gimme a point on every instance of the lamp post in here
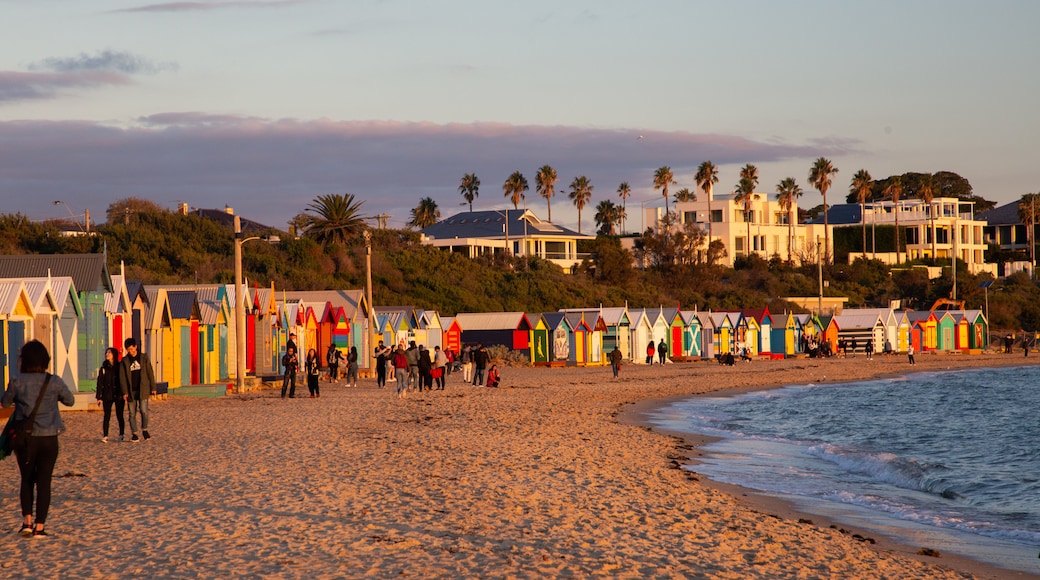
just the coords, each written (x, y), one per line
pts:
(75, 218)
(819, 270)
(240, 310)
(368, 296)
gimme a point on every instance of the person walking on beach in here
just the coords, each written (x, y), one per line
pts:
(662, 351)
(651, 350)
(425, 369)
(440, 367)
(400, 362)
(481, 358)
(313, 372)
(382, 358)
(615, 361)
(290, 363)
(467, 363)
(137, 383)
(332, 358)
(352, 367)
(108, 393)
(36, 393)
(413, 365)
(853, 348)
(870, 349)
(910, 354)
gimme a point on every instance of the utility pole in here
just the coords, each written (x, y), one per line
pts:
(240, 312)
(368, 296)
(819, 271)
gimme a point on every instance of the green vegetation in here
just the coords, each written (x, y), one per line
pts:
(160, 246)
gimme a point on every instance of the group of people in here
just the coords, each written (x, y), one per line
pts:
(312, 367)
(35, 394)
(660, 349)
(417, 368)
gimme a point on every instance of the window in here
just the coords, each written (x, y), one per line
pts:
(780, 218)
(689, 217)
(738, 244)
(913, 236)
(716, 216)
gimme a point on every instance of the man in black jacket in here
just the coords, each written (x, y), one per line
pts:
(137, 384)
(481, 358)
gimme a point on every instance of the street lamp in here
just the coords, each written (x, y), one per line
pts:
(819, 270)
(75, 217)
(240, 312)
(368, 296)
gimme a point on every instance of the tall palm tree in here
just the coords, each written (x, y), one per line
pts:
(514, 188)
(707, 176)
(581, 193)
(469, 187)
(684, 195)
(745, 194)
(544, 181)
(664, 177)
(334, 218)
(895, 191)
(1029, 214)
(860, 187)
(607, 217)
(820, 178)
(926, 191)
(787, 191)
(623, 191)
(425, 214)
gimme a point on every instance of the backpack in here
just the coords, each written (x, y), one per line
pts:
(332, 357)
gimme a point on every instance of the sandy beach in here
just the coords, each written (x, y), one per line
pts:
(552, 475)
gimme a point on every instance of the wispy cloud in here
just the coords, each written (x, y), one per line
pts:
(106, 60)
(270, 169)
(23, 86)
(203, 6)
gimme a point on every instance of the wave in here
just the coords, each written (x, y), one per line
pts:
(902, 472)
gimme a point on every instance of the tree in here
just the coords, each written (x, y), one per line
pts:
(581, 193)
(894, 190)
(820, 178)
(669, 245)
(745, 194)
(664, 177)
(334, 218)
(425, 214)
(787, 191)
(860, 187)
(608, 217)
(514, 188)
(623, 191)
(119, 212)
(707, 176)
(1028, 214)
(469, 187)
(544, 181)
(684, 195)
(926, 191)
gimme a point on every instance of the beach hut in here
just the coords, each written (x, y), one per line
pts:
(16, 317)
(212, 345)
(661, 324)
(945, 330)
(118, 310)
(828, 331)
(677, 342)
(902, 334)
(45, 308)
(340, 332)
(962, 333)
(430, 322)
(923, 330)
(642, 332)
(707, 338)
(57, 314)
(158, 333)
(761, 316)
(509, 329)
(559, 332)
(978, 335)
(724, 340)
(539, 339)
(184, 311)
(783, 334)
(611, 327)
(452, 333)
(579, 339)
(691, 336)
(862, 325)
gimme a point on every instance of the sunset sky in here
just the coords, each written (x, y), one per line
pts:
(263, 105)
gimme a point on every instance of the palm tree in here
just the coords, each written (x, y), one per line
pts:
(514, 188)
(684, 195)
(664, 177)
(469, 187)
(860, 187)
(581, 193)
(1028, 212)
(820, 178)
(787, 191)
(926, 191)
(334, 218)
(544, 181)
(706, 178)
(745, 194)
(895, 190)
(425, 214)
(623, 191)
(607, 217)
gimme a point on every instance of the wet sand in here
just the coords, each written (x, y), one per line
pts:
(547, 476)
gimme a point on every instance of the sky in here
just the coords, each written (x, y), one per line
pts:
(263, 105)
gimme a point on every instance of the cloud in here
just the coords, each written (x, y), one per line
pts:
(203, 6)
(107, 60)
(270, 169)
(21, 86)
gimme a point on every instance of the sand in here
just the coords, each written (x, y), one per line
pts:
(546, 477)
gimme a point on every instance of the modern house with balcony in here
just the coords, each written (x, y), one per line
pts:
(769, 235)
(516, 232)
(946, 224)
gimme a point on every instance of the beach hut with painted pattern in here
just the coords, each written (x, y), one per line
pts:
(978, 338)
(559, 332)
(539, 339)
(614, 326)
(16, 319)
(56, 323)
(580, 339)
(692, 345)
(452, 333)
(707, 334)
(509, 329)
(724, 339)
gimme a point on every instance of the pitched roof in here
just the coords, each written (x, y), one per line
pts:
(491, 224)
(849, 321)
(11, 291)
(182, 303)
(89, 272)
(1004, 215)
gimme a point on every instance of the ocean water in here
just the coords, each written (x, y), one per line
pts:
(947, 460)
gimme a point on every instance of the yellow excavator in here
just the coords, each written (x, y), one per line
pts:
(949, 303)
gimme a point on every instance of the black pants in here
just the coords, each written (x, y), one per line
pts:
(312, 385)
(36, 464)
(333, 372)
(478, 376)
(439, 380)
(380, 373)
(425, 379)
(289, 382)
(107, 406)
